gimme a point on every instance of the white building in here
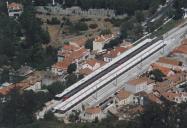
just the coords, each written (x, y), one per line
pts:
(93, 64)
(91, 114)
(140, 84)
(90, 65)
(36, 86)
(100, 41)
(185, 13)
(14, 9)
(124, 98)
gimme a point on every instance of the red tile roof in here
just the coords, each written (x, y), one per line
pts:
(78, 54)
(93, 110)
(14, 6)
(171, 95)
(154, 98)
(164, 70)
(181, 49)
(92, 62)
(167, 60)
(184, 42)
(139, 80)
(85, 71)
(4, 90)
(28, 82)
(63, 65)
(115, 52)
(123, 94)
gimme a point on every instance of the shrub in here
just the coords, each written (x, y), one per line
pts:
(93, 26)
(53, 21)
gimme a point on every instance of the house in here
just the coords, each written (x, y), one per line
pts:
(93, 64)
(177, 97)
(166, 71)
(92, 113)
(180, 51)
(155, 99)
(69, 54)
(171, 63)
(110, 55)
(177, 78)
(61, 67)
(139, 84)
(73, 53)
(100, 41)
(79, 55)
(65, 51)
(14, 9)
(85, 71)
(90, 65)
(32, 82)
(170, 82)
(123, 98)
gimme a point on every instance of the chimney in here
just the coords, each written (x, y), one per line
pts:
(7, 4)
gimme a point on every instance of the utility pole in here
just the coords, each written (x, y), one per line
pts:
(53, 2)
(115, 81)
(95, 95)
(141, 64)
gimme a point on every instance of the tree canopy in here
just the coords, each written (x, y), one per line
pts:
(22, 40)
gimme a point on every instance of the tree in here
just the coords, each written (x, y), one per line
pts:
(89, 44)
(4, 76)
(81, 26)
(112, 43)
(157, 75)
(125, 27)
(139, 16)
(3, 8)
(19, 109)
(45, 37)
(105, 32)
(72, 68)
(93, 26)
(74, 116)
(53, 21)
(179, 12)
(56, 88)
(49, 116)
(71, 79)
